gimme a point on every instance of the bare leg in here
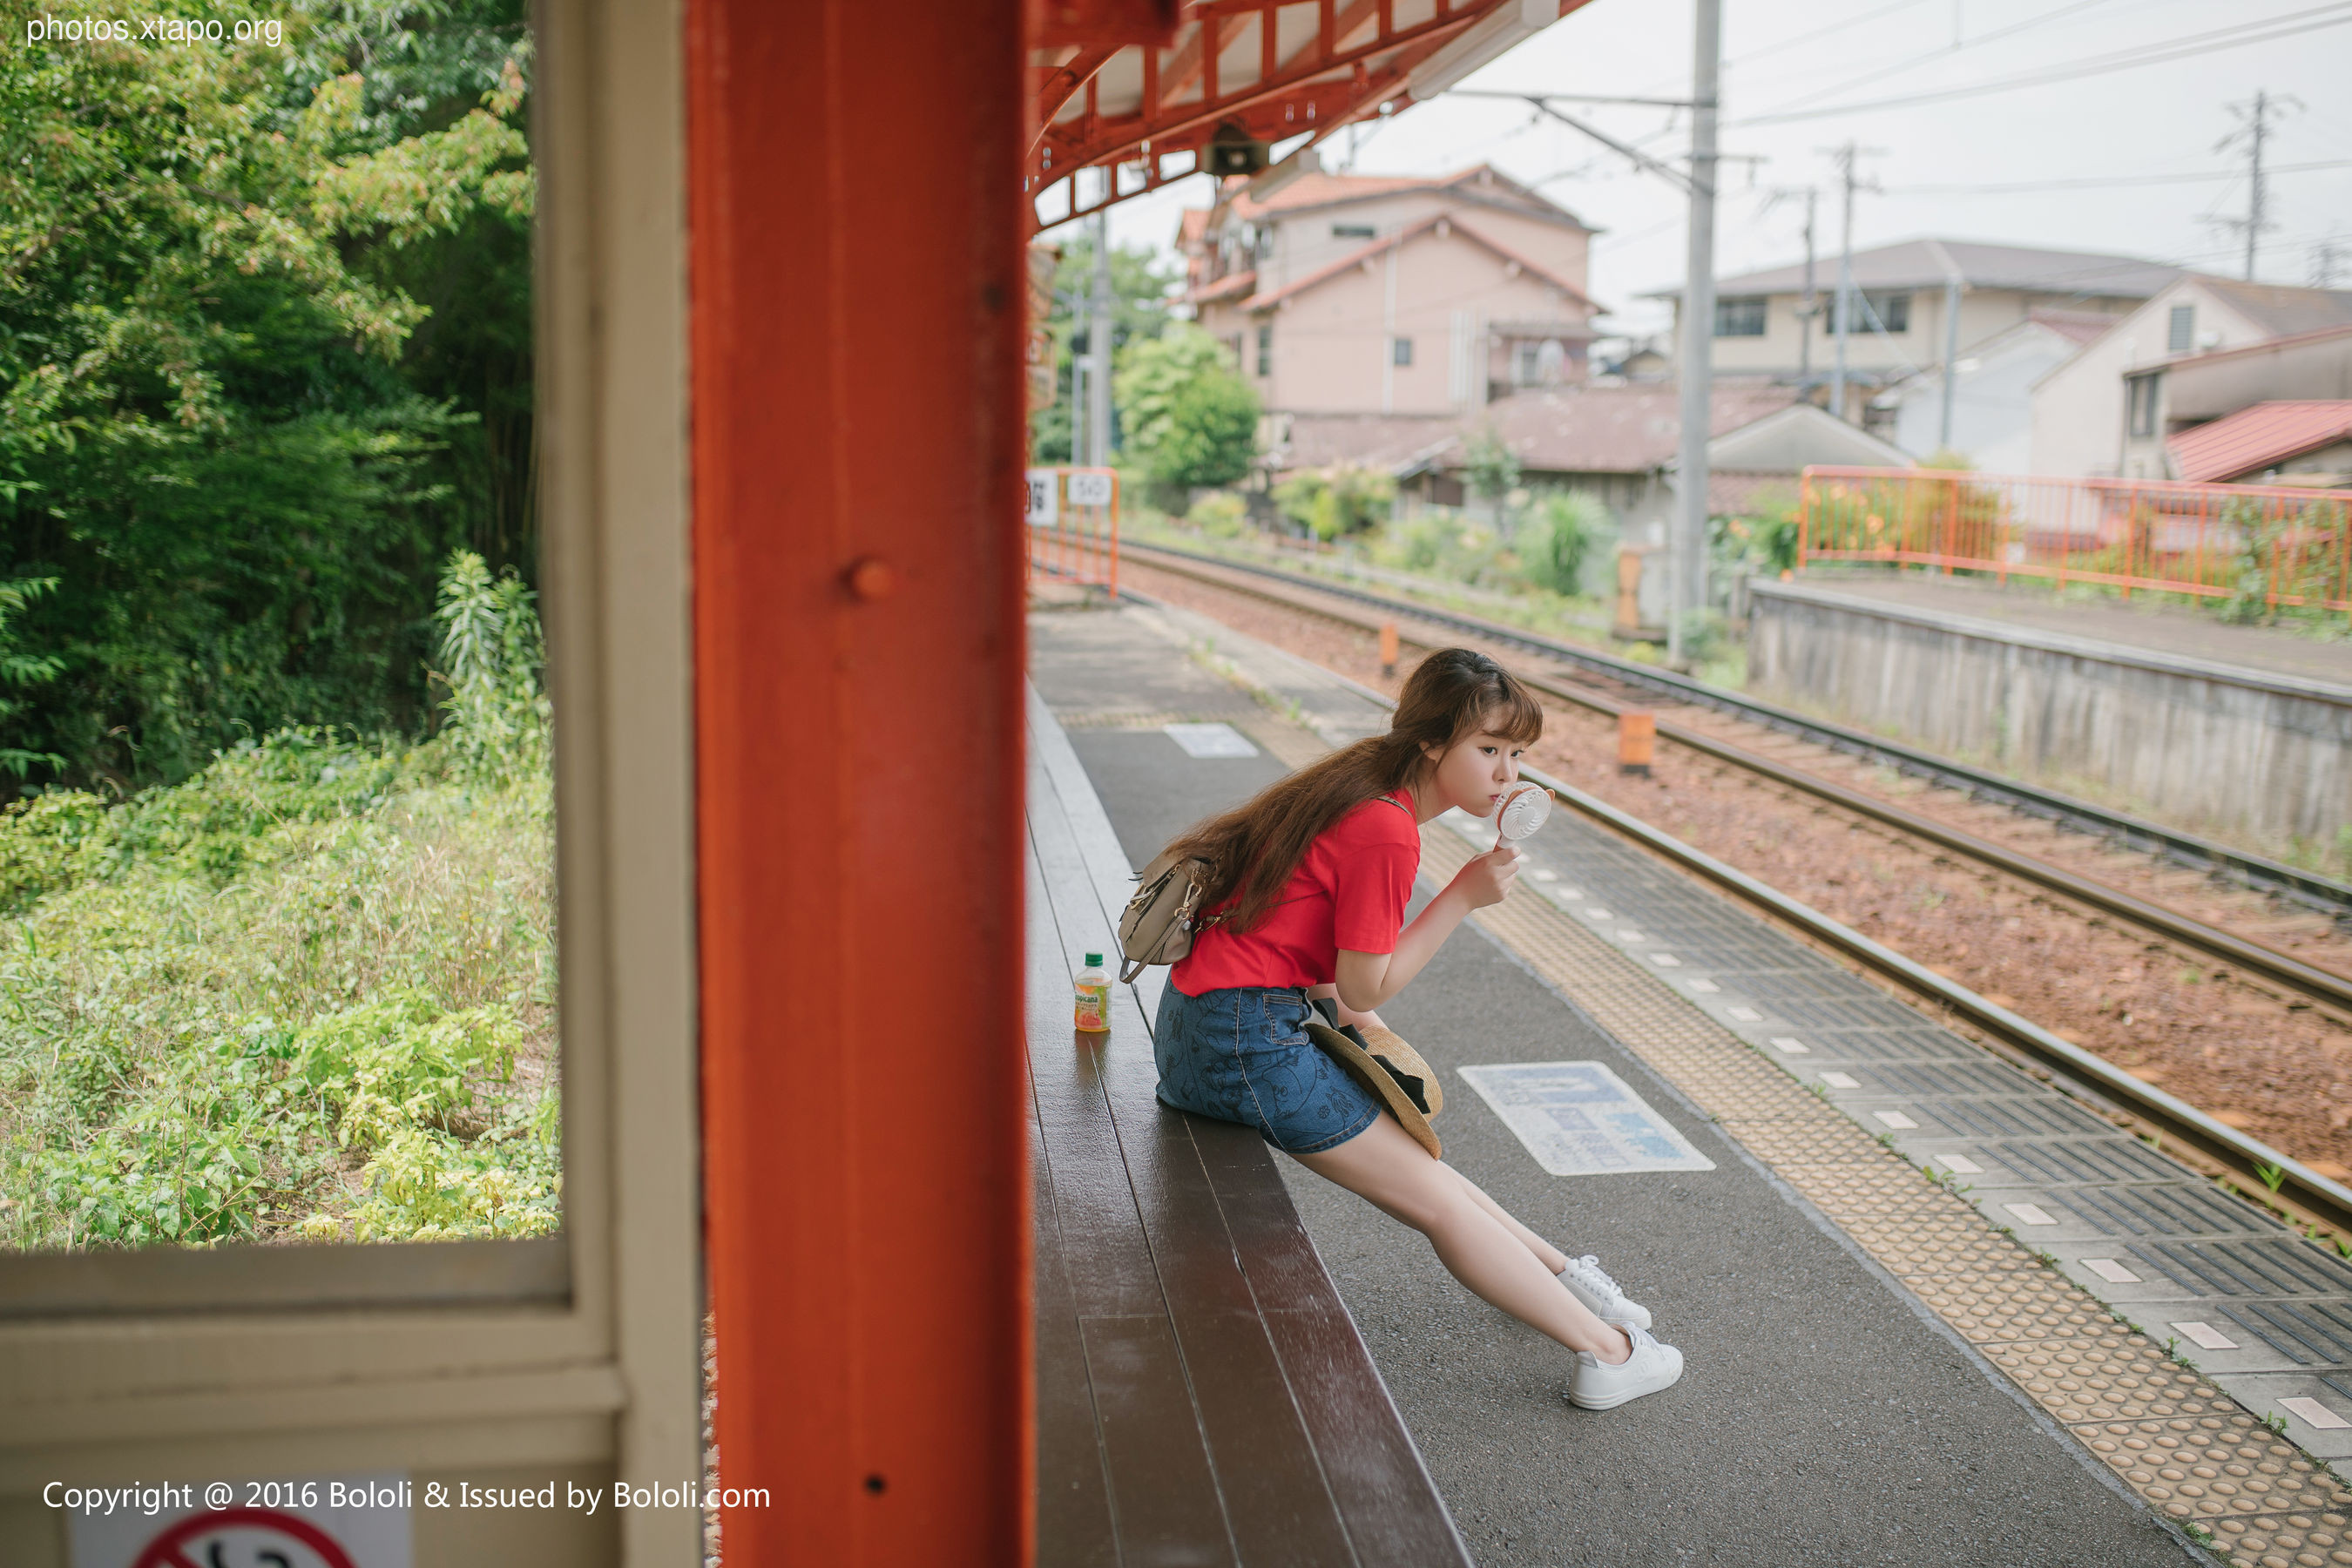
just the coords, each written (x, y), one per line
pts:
(1550, 1257)
(1386, 1168)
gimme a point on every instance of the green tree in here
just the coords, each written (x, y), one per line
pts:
(1139, 310)
(1187, 415)
(206, 431)
(1491, 466)
(22, 670)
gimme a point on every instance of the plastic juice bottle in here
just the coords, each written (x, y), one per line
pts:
(1094, 997)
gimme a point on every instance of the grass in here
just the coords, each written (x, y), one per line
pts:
(306, 994)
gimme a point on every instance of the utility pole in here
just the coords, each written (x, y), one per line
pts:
(2326, 257)
(1098, 334)
(1809, 306)
(2254, 130)
(1697, 370)
(1849, 182)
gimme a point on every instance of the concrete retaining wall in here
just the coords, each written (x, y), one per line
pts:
(2205, 745)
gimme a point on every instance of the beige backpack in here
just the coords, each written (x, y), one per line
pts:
(1158, 924)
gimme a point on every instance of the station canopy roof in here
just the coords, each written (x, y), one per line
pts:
(1134, 91)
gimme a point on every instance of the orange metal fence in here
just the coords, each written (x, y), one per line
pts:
(2291, 547)
(1073, 516)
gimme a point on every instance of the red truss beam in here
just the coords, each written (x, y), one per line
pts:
(1358, 57)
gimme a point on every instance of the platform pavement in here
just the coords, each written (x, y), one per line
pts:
(1825, 1417)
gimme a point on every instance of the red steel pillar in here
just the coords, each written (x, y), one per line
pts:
(857, 285)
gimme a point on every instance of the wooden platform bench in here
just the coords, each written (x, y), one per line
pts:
(1202, 1396)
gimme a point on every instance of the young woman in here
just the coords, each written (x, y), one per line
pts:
(1308, 894)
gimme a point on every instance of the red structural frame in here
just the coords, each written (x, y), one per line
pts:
(857, 432)
(1358, 61)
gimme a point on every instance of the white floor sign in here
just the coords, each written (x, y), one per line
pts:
(1579, 1118)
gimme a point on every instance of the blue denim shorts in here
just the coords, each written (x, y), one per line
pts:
(1243, 1054)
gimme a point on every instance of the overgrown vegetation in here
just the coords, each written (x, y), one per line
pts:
(308, 992)
(265, 360)
(1330, 503)
(1189, 418)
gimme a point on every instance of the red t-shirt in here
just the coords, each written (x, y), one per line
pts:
(1350, 891)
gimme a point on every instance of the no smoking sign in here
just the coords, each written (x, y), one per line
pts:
(246, 1535)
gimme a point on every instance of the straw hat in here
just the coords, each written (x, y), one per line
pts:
(1392, 1071)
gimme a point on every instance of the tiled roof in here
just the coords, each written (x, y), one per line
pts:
(1929, 263)
(1225, 288)
(1192, 225)
(2253, 439)
(1616, 429)
(1364, 253)
(1317, 189)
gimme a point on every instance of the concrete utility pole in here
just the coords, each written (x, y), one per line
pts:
(2252, 132)
(2326, 257)
(1955, 285)
(1849, 182)
(1098, 335)
(1809, 306)
(1697, 370)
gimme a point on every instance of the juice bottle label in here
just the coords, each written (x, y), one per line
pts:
(1094, 1009)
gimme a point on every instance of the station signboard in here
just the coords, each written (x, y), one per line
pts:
(1045, 496)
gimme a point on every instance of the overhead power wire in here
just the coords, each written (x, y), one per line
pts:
(2262, 32)
(1944, 53)
(2099, 184)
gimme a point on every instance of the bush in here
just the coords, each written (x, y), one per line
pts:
(1337, 501)
(310, 992)
(1220, 514)
(1568, 525)
(1441, 542)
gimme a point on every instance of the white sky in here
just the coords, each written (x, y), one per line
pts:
(2156, 119)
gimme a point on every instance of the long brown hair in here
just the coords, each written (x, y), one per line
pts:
(1253, 850)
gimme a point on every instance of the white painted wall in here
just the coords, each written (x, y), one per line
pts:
(2078, 407)
(1993, 415)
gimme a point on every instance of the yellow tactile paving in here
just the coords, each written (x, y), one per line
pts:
(2172, 1435)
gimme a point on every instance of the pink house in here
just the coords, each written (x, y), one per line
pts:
(1353, 294)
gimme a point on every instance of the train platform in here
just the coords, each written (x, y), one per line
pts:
(1883, 1366)
(2030, 609)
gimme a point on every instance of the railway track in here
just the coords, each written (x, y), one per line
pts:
(2304, 888)
(2247, 1161)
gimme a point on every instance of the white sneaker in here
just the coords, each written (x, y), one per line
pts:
(1597, 1385)
(1600, 1293)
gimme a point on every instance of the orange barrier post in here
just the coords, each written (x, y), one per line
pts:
(1637, 742)
(1387, 648)
(858, 639)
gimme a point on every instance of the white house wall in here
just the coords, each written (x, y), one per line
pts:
(2078, 408)
(1983, 313)
(1992, 417)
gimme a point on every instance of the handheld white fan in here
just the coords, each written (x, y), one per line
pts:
(1525, 808)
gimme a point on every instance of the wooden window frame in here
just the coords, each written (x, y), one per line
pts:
(578, 1350)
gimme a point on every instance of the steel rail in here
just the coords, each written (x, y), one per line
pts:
(2071, 1070)
(2322, 893)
